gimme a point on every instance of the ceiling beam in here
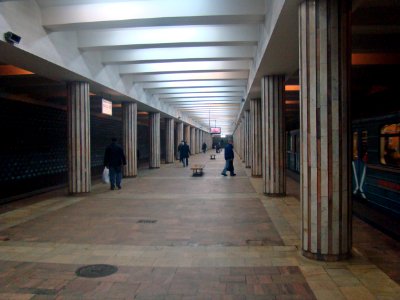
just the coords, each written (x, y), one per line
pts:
(197, 90)
(175, 67)
(191, 84)
(178, 54)
(144, 13)
(168, 36)
(189, 76)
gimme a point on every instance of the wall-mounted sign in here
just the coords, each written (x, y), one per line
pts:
(106, 107)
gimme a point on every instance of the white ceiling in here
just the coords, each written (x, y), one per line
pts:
(195, 55)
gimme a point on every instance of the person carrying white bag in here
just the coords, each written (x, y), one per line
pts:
(114, 159)
(106, 175)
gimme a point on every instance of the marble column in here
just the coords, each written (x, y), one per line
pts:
(196, 141)
(199, 140)
(273, 135)
(155, 150)
(193, 140)
(247, 149)
(78, 111)
(255, 137)
(179, 138)
(187, 134)
(238, 140)
(129, 139)
(242, 139)
(324, 129)
(169, 140)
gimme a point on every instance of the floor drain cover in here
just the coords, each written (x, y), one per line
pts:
(94, 271)
(147, 221)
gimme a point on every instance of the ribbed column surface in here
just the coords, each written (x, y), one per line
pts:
(179, 138)
(247, 150)
(236, 139)
(238, 145)
(193, 140)
(187, 134)
(169, 141)
(196, 141)
(256, 137)
(79, 172)
(273, 135)
(129, 126)
(155, 151)
(324, 124)
(242, 139)
(209, 140)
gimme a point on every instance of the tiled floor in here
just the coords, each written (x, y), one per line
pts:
(174, 236)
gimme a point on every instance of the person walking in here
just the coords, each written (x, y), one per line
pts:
(184, 153)
(179, 150)
(229, 156)
(204, 147)
(114, 159)
(217, 147)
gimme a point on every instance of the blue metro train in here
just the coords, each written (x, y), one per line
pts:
(375, 161)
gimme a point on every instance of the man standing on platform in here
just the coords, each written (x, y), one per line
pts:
(114, 159)
(229, 156)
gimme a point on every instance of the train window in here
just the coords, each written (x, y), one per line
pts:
(390, 145)
(364, 145)
(355, 145)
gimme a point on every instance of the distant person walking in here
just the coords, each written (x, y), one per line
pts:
(204, 147)
(114, 159)
(184, 153)
(229, 156)
(217, 147)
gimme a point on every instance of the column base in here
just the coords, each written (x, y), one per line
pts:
(154, 167)
(326, 257)
(77, 193)
(275, 194)
(131, 176)
(256, 176)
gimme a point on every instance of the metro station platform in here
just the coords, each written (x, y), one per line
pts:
(174, 236)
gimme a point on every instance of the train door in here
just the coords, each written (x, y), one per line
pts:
(359, 161)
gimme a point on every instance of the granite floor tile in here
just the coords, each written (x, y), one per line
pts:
(213, 238)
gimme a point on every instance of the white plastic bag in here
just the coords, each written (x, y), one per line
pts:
(106, 175)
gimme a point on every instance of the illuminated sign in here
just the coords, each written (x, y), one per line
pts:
(215, 130)
(106, 107)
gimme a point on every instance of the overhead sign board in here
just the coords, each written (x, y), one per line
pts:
(215, 130)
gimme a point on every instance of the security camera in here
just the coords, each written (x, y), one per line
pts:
(12, 38)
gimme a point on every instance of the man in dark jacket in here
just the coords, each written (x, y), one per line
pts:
(114, 158)
(184, 152)
(204, 147)
(229, 156)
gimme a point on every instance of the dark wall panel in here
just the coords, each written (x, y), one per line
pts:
(33, 155)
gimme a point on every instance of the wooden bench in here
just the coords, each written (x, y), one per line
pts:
(212, 156)
(197, 169)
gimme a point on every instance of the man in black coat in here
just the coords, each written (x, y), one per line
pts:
(114, 159)
(229, 156)
(184, 152)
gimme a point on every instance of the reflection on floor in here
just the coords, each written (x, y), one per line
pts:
(174, 236)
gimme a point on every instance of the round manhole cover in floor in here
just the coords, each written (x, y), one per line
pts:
(94, 271)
